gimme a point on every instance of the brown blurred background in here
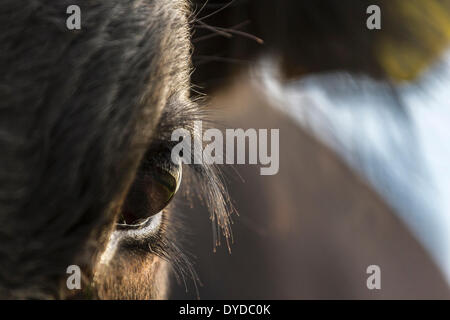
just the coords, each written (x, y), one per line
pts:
(308, 232)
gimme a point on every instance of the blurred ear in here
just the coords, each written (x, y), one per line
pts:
(319, 36)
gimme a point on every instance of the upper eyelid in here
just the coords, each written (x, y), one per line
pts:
(178, 113)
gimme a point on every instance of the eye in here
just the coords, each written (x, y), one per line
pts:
(156, 183)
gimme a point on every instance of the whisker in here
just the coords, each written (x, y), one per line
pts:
(207, 59)
(217, 11)
(199, 11)
(215, 29)
(202, 38)
(242, 33)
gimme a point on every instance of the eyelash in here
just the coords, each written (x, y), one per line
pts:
(209, 188)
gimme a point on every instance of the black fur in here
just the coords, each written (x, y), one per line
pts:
(80, 109)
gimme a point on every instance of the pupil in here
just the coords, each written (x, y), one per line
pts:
(148, 196)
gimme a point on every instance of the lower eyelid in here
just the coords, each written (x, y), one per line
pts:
(154, 223)
(139, 238)
(149, 227)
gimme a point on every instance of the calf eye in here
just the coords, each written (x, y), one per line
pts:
(156, 183)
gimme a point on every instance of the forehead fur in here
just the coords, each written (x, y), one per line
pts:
(78, 109)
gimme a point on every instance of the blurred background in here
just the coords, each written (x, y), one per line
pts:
(364, 173)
